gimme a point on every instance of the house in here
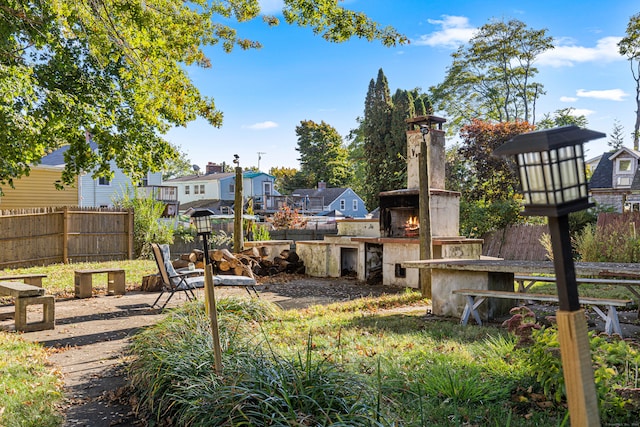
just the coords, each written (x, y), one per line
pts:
(215, 186)
(38, 190)
(616, 180)
(344, 200)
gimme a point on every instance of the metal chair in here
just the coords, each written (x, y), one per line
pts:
(173, 281)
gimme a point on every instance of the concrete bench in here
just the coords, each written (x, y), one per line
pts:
(84, 281)
(475, 297)
(29, 279)
(26, 295)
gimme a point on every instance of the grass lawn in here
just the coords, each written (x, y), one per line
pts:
(359, 364)
(369, 362)
(60, 279)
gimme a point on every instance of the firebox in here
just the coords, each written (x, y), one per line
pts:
(399, 212)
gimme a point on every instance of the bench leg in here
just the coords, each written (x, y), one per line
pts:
(471, 309)
(48, 313)
(612, 322)
(83, 285)
(116, 283)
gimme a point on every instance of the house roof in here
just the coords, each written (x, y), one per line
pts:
(56, 157)
(213, 205)
(626, 150)
(603, 175)
(209, 177)
(329, 194)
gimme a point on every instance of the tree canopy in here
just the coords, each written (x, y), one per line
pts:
(629, 46)
(323, 157)
(492, 76)
(114, 71)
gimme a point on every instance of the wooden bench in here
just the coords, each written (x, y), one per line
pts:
(29, 279)
(26, 295)
(475, 297)
(84, 281)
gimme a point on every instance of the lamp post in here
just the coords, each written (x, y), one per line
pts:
(552, 174)
(202, 221)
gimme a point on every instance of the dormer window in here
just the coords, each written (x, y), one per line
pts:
(624, 166)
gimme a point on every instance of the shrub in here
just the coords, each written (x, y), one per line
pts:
(616, 242)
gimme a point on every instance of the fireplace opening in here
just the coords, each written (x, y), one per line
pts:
(348, 262)
(399, 213)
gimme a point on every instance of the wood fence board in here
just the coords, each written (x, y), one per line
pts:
(39, 236)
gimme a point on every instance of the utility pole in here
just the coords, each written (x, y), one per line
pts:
(260, 153)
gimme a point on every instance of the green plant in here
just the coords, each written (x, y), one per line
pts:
(148, 226)
(30, 390)
(617, 242)
(260, 232)
(186, 234)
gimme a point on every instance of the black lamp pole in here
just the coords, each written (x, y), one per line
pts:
(552, 174)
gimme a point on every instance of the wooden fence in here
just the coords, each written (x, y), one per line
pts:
(62, 235)
(517, 242)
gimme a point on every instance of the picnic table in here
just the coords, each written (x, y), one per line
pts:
(454, 279)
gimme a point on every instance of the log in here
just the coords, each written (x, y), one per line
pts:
(252, 252)
(293, 257)
(265, 251)
(193, 257)
(239, 270)
(199, 254)
(224, 265)
(180, 263)
(186, 257)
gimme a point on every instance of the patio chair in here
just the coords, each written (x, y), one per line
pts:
(173, 281)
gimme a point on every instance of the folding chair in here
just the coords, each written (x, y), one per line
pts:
(172, 281)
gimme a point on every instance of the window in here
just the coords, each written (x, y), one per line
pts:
(186, 189)
(266, 188)
(232, 188)
(354, 206)
(624, 181)
(201, 188)
(343, 204)
(624, 166)
(195, 189)
(104, 181)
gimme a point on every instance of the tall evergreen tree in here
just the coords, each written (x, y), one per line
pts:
(616, 139)
(629, 46)
(376, 127)
(323, 157)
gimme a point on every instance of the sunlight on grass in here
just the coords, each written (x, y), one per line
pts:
(60, 277)
(30, 388)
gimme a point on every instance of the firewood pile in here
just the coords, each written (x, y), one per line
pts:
(251, 262)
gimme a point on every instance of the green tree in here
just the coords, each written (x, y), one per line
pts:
(629, 46)
(616, 138)
(323, 156)
(117, 70)
(562, 117)
(177, 166)
(492, 77)
(376, 128)
(287, 179)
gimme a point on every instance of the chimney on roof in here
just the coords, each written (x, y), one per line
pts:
(213, 168)
(322, 185)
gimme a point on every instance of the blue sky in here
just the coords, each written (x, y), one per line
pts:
(265, 93)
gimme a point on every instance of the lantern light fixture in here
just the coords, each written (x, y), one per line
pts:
(201, 218)
(551, 168)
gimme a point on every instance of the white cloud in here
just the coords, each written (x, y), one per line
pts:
(568, 99)
(567, 54)
(611, 94)
(455, 31)
(271, 7)
(262, 125)
(576, 112)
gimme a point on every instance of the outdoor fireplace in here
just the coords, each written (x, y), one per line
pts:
(399, 213)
